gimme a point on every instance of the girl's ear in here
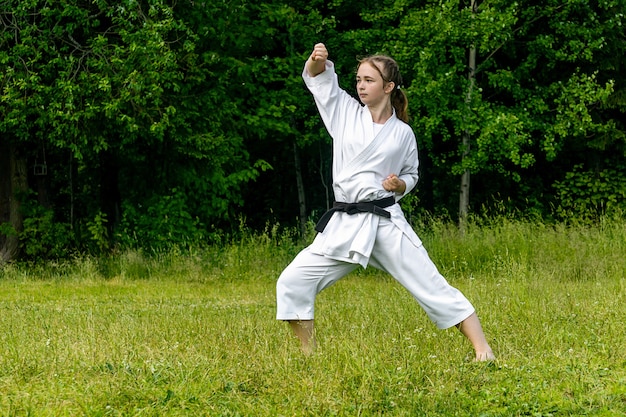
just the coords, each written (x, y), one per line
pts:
(390, 86)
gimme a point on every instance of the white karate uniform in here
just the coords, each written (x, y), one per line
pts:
(361, 162)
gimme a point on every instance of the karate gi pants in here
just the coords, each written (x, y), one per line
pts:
(309, 273)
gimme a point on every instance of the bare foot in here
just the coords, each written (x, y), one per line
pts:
(485, 356)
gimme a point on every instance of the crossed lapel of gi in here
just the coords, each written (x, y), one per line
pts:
(370, 149)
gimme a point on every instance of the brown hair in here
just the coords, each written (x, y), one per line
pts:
(389, 71)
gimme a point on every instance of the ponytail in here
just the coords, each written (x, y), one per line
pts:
(400, 102)
(390, 72)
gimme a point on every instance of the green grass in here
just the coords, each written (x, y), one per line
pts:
(194, 333)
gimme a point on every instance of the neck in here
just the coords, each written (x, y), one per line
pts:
(381, 114)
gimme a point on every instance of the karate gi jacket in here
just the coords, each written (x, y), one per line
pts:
(361, 162)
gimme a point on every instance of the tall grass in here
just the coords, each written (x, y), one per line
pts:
(193, 333)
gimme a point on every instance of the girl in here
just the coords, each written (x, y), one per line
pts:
(374, 166)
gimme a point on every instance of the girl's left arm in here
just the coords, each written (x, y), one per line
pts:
(410, 163)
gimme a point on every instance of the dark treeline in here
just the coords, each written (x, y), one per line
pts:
(150, 123)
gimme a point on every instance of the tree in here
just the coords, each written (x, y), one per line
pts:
(285, 127)
(159, 124)
(534, 89)
(120, 93)
(464, 195)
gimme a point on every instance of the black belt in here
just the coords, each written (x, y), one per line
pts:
(375, 207)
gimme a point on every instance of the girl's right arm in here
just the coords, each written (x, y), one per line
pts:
(316, 64)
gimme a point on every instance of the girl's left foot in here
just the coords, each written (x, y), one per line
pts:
(485, 356)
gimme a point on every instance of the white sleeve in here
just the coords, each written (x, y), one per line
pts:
(409, 173)
(332, 101)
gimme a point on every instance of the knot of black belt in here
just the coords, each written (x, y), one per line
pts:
(375, 207)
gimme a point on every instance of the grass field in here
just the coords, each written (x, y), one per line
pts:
(194, 334)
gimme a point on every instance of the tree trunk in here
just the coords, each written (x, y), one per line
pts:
(300, 184)
(465, 177)
(14, 186)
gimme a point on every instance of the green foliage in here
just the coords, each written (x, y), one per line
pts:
(587, 194)
(573, 111)
(42, 236)
(7, 229)
(163, 223)
(98, 233)
(205, 98)
(132, 84)
(536, 90)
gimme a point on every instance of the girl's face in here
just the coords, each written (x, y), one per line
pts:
(370, 86)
